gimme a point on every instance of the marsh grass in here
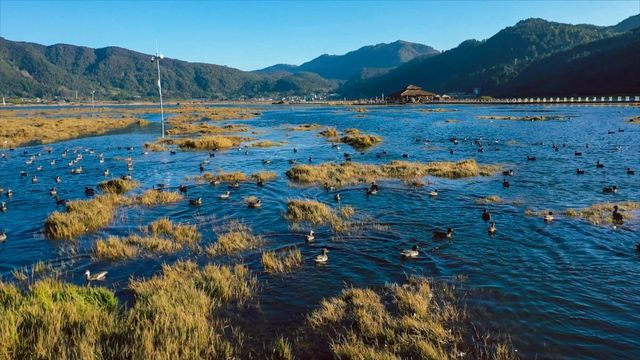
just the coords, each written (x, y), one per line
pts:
(209, 142)
(524, 118)
(264, 176)
(204, 128)
(491, 199)
(182, 234)
(282, 261)
(330, 133)
(351, 173)
(156, 147)
(266, 143)
(222, 176)
(634, 120)
(237, 237)
(601, 213)
(83, 216)
(156, 197)
(304, 127)
(315, 213)
(118, 186)
(114, 248)
(352, 137)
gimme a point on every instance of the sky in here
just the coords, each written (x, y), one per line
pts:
(254, 34)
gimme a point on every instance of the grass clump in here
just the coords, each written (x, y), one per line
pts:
(282, 262)
(237, 237)
(264, 176)
(351, 173)
(491, 199)
(330, 132)
(634, 120)
(156, 147)
(223, 176)
(210, 142)
(182, 234)
(316, 213)
(114, 248)
(156, 197)
(118, 186)
(352, 137)
(601, 213)
(83, 216)
(304, 127)
(267, 143)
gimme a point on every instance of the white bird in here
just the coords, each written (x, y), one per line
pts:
(322, 258)
(433, 193)
(410, 253)
(549, 217)
(105, 172)
(53, 192)
(95, 277)
(3, 236)
(310, 236)
(492, 228)
(225, 195)
(3, 206)
(34, 179)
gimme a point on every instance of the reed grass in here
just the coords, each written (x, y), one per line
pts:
(601, 213)
(264, 176)
(491, 199)
(83, 216)
(634, 120)
(316, 213)
(237, 237)
(156, 197)
(330, 133)
(223, 176)
(351, 173)
(156, 147)
(210, 142)
(266, 143)
(304, 127)
(114, 248)
(118, 186)
(180, 233)
(352, 137)
(282, 261)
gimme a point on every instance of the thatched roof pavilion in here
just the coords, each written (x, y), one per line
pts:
(411, 94)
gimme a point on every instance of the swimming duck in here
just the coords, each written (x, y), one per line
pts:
(599, 165)
(611, 132)
(616, 216)
(255, 204)
(225, 195)
(39, 168)
(9, 193)
(492, 228)
(405, 155)
(579, 171)
(52, 162)
(310, 236)
(577, 153)
(195, 202)
(182, 188)
(630, 172)
(60, 202)
(100, 276)
(266, 162)
(295, 150)
(260, 183)
(105, 172)
(620, 130)
(439, 234)
(410, 253)
(486, 216)
(34, 179)
(234, 185)
(531, 158)
(322, 258)
(201, 168)
(610, 189)
(549, 217)
(433, 193)
(310, 159)
(507, 173)
(373, 189)
(3, 206)
(53, 192)
(89, 191)
(505, 183)
(3, 236)
(337, 197)
(58, 179)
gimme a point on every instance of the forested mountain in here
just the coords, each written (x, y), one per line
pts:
(32, 70)
(344, 67)
(490, 64)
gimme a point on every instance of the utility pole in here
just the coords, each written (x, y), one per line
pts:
(157, 58)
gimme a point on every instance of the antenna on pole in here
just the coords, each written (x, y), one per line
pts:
(157, 58)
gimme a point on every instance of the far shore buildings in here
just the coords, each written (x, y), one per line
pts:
(411, 95)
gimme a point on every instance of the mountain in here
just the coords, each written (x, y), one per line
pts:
(343, 67)
(629, 23)
(33, 70)
(605, 67)
(488, 64)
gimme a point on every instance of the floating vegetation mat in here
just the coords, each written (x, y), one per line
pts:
(526, 118)
(352, 137)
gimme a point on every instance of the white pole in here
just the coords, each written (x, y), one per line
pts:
(158, 57)
(93, 107)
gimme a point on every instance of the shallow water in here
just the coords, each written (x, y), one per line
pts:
(562, 290)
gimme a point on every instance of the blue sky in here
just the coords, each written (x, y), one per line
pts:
(251, 35)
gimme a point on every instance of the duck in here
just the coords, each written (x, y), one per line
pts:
(225, 195)
(89, 191)
(505, 183)
(23, 173)
(616, 216)
(255, 204)
(266, 162)
(373, 189)
(577, 153)
(630, 172)
(531, 158)
(3, 236)
(439, 234)
(105, 172)
(611, 132)
(599, 165)
(620, 130)
(549, 217)
(337, 197)
(60, 202)
(53, 192)
(34, 179)
(3, 206)
(100, 276)
(492, 228)
(579, 171)
(58, 179)
(182, 188)
(507, 173)
(260, 183)
(9, 193)
(610, 189)
(195, 202)
(234, 184)
(410, 253)
(322, 258)
(405, 155)
(486, 216)
(310, 236)
(433, 193)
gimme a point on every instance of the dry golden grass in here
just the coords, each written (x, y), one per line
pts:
(195, 113)
(114, 248)
(18, 131)
(156, 197)
(352, 137)
(157, 147)
(203, 128)
(330, 132)
(264, 176)
(304, 127)
(489, 200)
(267, 143)
(316, 213)
(83, 216)
(118, 186)
(634, 120)
(538, 213)
(601, 214)
(237, 237)
(351, 173)
(282, 261)
(525, 118)
(210, 142)
(223, 176)
(182, 234)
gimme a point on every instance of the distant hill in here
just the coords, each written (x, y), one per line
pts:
(488, 64)
(33, 70)
(344, 67)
